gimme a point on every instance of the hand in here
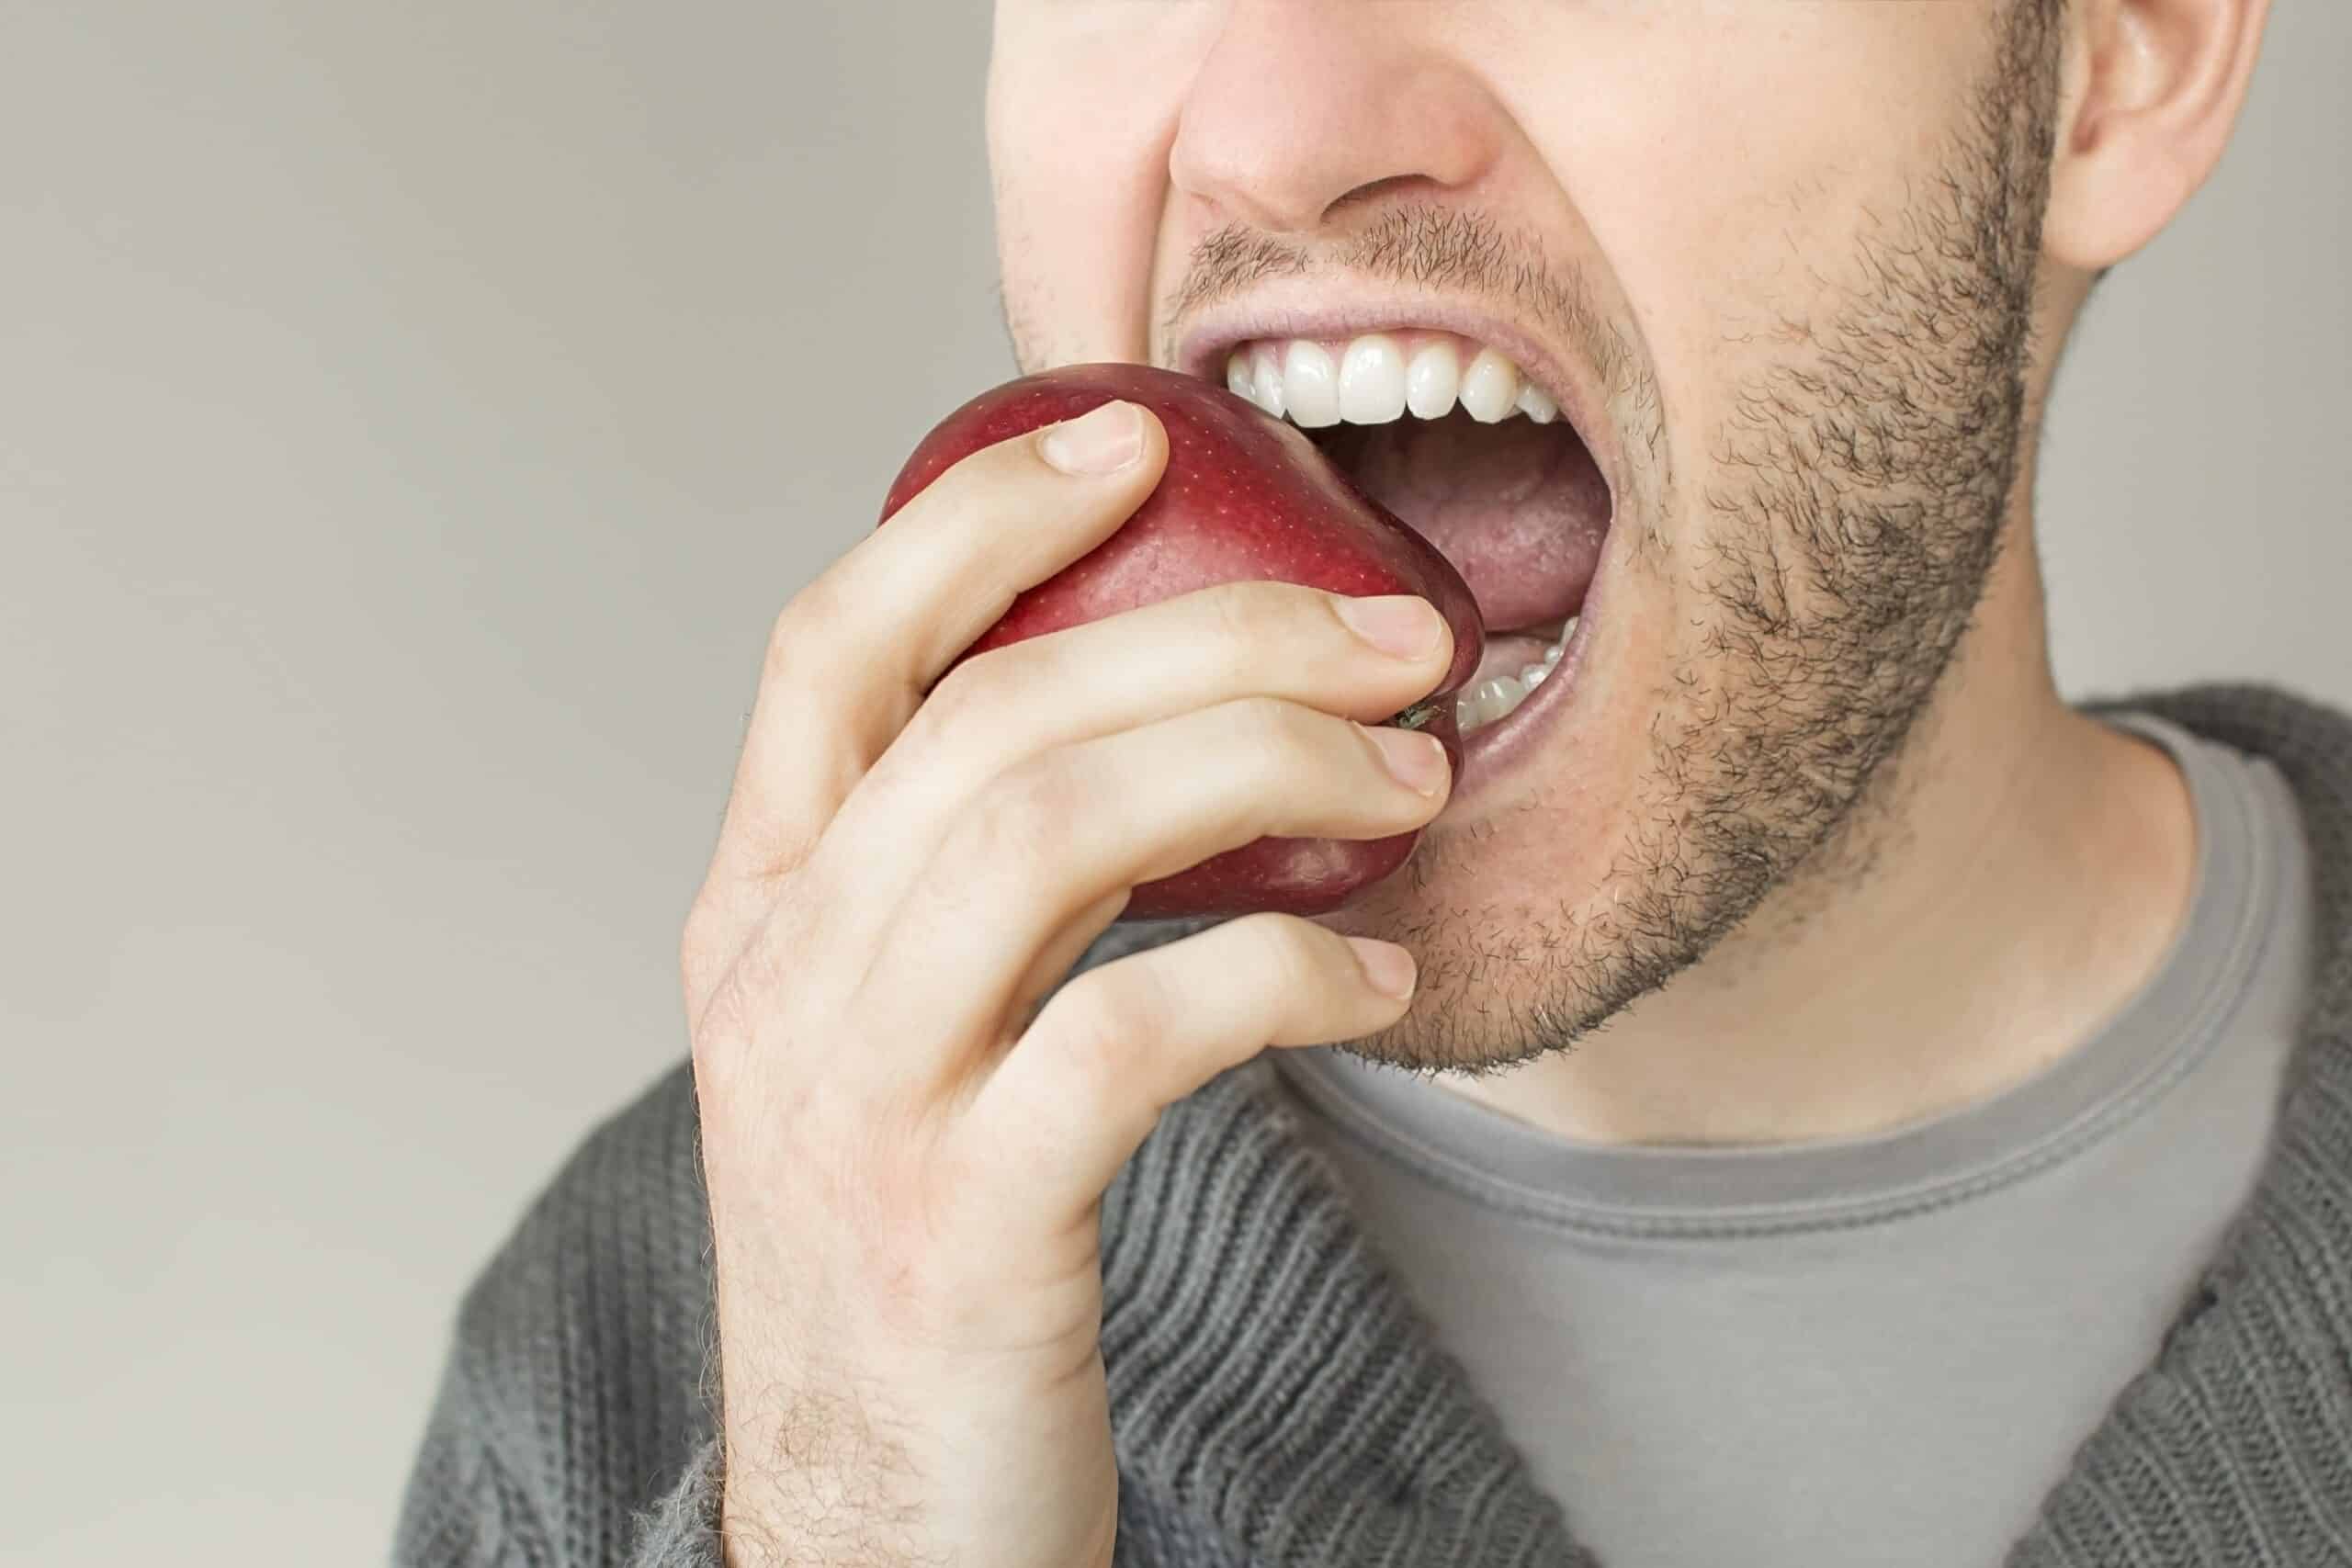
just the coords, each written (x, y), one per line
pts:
(905, 1151)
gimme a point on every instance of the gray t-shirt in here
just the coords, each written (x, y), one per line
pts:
(1869, 1351)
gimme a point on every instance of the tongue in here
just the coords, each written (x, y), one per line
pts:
(1518, 507)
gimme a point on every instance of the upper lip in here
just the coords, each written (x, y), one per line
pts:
(1312, 312)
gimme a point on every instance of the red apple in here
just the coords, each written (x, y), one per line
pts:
(1245, 496)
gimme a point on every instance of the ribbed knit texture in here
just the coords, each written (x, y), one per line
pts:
(1275, 1401)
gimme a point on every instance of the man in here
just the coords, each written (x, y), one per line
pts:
(1814, 1098)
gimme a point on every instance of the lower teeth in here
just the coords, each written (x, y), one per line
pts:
(1499, 698)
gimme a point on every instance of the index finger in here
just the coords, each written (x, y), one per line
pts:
(853, 653)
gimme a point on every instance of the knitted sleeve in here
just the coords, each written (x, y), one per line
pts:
(573, 1426)
(466, 1508)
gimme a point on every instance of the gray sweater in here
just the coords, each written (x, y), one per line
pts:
(1275, 1400)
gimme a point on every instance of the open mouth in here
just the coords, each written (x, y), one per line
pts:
(1475, 457)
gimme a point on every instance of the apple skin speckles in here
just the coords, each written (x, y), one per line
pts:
(1245, 497)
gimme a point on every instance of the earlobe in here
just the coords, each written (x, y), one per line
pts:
(2150, 91)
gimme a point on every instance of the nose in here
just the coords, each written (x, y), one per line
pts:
(1303, 107)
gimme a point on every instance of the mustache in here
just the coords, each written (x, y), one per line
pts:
(1463, 251)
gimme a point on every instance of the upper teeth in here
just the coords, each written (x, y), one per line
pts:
(1377, 379)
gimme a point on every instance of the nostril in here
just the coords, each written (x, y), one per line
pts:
(1373, 191)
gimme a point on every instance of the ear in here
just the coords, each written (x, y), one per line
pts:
(2152, 89)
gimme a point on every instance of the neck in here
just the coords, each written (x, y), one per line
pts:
(2008, 881)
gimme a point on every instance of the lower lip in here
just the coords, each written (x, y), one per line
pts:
(1496, 749)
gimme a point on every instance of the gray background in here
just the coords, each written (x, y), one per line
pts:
(412, 416)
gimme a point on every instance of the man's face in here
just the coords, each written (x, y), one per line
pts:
(1775, 263)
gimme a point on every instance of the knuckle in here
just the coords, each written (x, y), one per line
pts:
(1246, 618)
(1091, 1021)
(715, 923)
(981, 485)
(1292, 953)
(1092, 1028)
(719, 1040)
(1280, 733)
(962, 697)
(1013, 821)
(749, 983)
(804, 625)
(742, 1001)
(1248, 606)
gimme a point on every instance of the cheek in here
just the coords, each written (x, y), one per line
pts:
(1727, 159)
(1083, 99)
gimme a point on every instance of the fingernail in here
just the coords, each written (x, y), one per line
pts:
(1102, 441)
(1387, 968)
(1402, 625)
(1416, 760)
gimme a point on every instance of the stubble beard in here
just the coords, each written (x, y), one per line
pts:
(1850, 516)
(1851, 513)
